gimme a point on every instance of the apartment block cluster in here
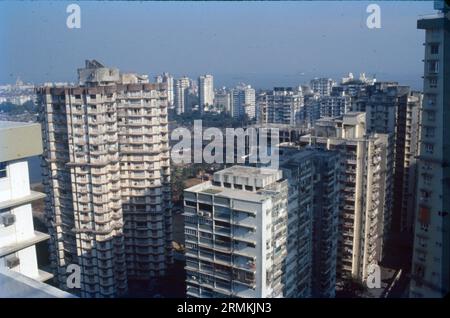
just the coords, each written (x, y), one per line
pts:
(363, 161)
(337, 210)
(238, 102)
(18, 93)
(360, 162)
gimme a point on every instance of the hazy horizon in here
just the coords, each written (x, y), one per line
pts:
(264, 44)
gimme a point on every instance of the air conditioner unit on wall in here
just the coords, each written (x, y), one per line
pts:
(8, 219)
(12, 261)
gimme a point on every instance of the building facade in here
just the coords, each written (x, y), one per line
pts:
(412, 129)
(222, 101)
(322, 86)
(280, 106)
(431, 254)
(235, 234)
(243, 102)
(181, 94)
(107, 175)
(364, 211)
(18, 238)
(206, 92)
(334, 105)
(313, 177)
(168, 80)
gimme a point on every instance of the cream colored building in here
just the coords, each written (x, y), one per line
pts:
(364, 212)
(107, 177)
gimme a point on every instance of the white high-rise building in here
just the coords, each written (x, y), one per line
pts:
(322, 86)
(18, 239)
(430, 270)
(206, 92)
(280, 106)
(168, 80)
(243, 102)
(107, 179)
(181, 93)
(334, 105)
(235, 234)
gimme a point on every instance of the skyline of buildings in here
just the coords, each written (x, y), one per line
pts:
(359, 188)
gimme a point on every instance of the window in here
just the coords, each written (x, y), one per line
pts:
(424, 216)
(429, 132)
(431, 116)
(427, 179)
(431, 100)
(3, 170)
(205, 207)
(429, 148)
(433, 67)
(419, 270)
(424, 195)
(433, 82)
(190, 203)
(422, 241)
(190, 231)
(434, 48)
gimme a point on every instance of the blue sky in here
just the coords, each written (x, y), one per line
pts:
(263, 43)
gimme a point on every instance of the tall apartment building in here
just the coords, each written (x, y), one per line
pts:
(310, 110)
(243, 101)
(206, 92)
(280, 106)
(286, 133)
(168, 80)
(180, 94)
(364, 211)
(222, 100)
(431, 254)
(322, 86)
(235, 234)
(18, 239)
(334, 105)
(107, 178)
(313, 177)
(409, 195)
(325, 224)
(386, 108)
(299, 172)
